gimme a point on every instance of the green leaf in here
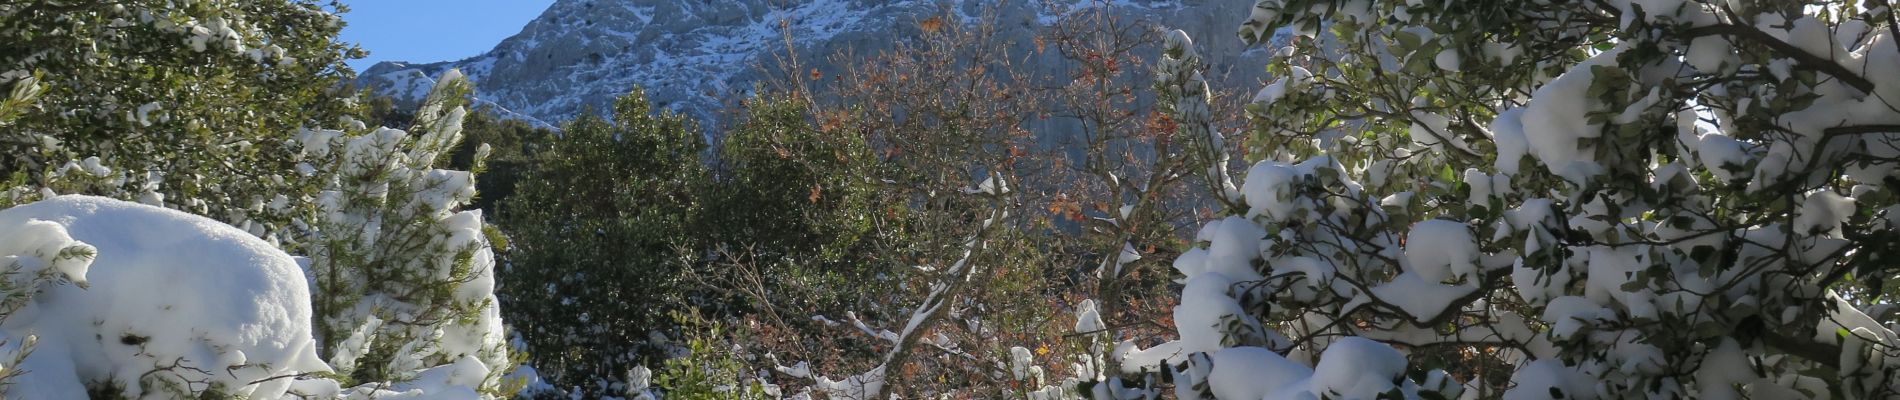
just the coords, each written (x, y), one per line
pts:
(1407, 42)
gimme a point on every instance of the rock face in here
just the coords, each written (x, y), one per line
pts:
(696, 56)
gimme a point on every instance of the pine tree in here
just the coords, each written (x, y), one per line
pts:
(404, 277)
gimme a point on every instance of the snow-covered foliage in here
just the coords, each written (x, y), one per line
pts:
(176, 103)
(407, 277)
(1612, 199)
(148, 303)
(105, 296)
(1439, 199)
(199, 107)
(945, 291)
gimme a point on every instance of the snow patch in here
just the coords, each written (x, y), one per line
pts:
(183, 301)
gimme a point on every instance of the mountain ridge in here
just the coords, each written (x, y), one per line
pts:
(698, 57)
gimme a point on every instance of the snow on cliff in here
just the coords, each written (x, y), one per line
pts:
(697, 57)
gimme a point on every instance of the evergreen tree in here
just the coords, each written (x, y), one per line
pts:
(791, 195)
(183, 103)
(405, 279)
(592, 268)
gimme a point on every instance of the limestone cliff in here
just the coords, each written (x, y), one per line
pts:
(696, 56)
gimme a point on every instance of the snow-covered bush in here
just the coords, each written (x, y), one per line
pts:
(406, 279)
(176, 103)
(1612, 199)
(191, 106)
(164, 304)
(145, 302)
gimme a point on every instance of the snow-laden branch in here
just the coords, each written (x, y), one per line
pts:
(951, 283)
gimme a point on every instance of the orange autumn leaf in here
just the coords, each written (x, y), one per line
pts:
(931, 25)
(1065, 207)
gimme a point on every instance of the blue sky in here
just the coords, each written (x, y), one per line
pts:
(433, 30)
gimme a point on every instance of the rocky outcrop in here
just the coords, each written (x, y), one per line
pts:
(697, 56)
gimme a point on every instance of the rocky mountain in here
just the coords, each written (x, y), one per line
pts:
(696, 56)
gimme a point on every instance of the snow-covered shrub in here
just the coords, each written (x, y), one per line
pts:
(1616, 199)
(406, 279)
(190, 105)
(179, 103)
(147, 302)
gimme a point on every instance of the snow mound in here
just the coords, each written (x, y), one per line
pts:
(176, 304)
(1253, 373)
(1438, 250)
(1557, 118)
(1549, 379)
(1352, 368)
(1357, 368)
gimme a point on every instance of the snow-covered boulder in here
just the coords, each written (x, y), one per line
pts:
(175, 304)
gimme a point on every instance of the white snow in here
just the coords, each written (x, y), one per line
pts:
(1610, 270)
(1433, 131)
(1485, 187)
(1269, 190)
(1356, 368)
(1447, 60)
(1823, 214)
(1723, 156)
(1234, 246)
(1153, 359)
(1127, 255)
(1568, 315)
(1020, 360)
(1318, 276)
(990, 185)
(1190, 263)
(1711, 54)
(1206, 311)
(1508, 129)
(1723, 368)
(166, 288)
(1422, 299)
(1252, 373)
(1087, 318)
(1558, 115)
(1544, 379)
(1299, 79)
(1439, 250)
(864, 386)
